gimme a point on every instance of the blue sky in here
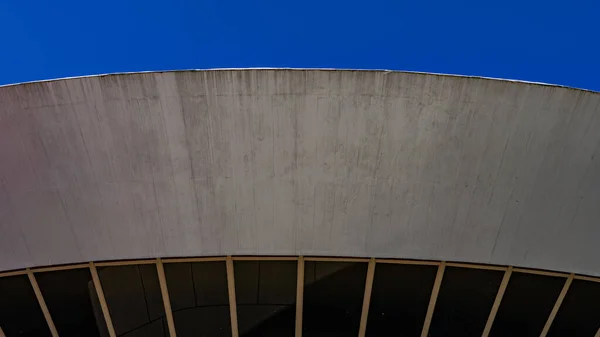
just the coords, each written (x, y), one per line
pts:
(545, 41)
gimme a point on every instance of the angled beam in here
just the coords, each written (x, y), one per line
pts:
(336, 259)
(497, 301)
(123, 263)
(586, 278)
(410, 262)
(434, 294)
(559, 301)
(194, 259)
(165, 297)
(232, 300)
(475, 266)
(2, 332)
(13, 273)
(264, 258)
(299, 296)
(540, 272)
(102, 300)
(597, 333)
(57, 268)
(367, 298)
(42, 303)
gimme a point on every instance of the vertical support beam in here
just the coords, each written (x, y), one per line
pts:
(232, 300)
(165, 297)
(367, 298)
(102, 300)
(559, 301)
(42, 303)
(299, 296)
(497, 301)
(434, 294)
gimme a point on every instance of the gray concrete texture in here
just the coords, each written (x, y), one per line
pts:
(299, 162)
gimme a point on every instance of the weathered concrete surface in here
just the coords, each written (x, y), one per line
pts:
(299, 162)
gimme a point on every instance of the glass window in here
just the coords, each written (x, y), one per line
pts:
(181, 285)
(399, 299)
(199, 298)
(266, 297)
(68, 295)
(333, 295)
(526, 304)
(20, 313)
(134, 300)
(579, 313)
(464, 302)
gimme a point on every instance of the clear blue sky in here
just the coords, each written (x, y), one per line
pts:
(545, 41)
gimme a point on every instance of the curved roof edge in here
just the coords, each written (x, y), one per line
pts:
(309, 69)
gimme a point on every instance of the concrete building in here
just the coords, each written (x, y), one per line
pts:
(332, 203)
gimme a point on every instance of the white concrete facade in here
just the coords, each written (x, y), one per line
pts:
(299, 162)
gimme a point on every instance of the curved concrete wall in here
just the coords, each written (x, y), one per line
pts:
(299, 162)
